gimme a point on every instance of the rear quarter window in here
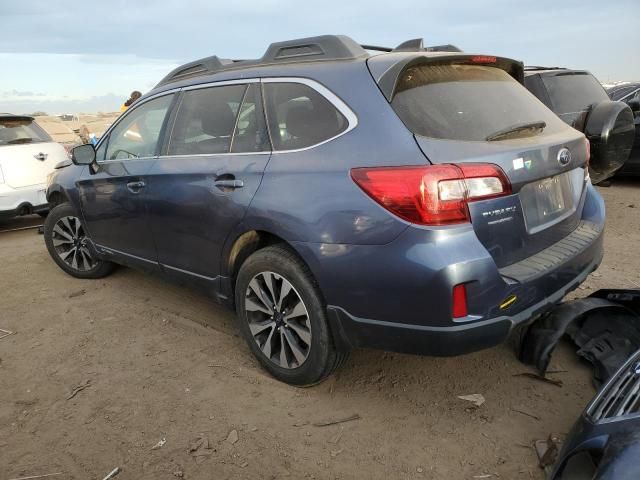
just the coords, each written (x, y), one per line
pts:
(466, 102)
(20, 131)
(299, 116)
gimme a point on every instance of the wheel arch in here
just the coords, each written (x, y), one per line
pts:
(56, 195)
(242, 245)
(246, 243)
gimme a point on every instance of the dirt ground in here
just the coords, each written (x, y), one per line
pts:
(163, 367)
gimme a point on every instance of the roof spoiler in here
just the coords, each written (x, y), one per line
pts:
(388, 80)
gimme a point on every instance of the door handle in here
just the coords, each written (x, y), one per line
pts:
(135, 187)
(228, 183)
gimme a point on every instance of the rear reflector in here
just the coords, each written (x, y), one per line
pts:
(459, 303)
(587, 144)
(433, 194)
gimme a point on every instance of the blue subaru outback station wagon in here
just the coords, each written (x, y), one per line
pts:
(414, 200)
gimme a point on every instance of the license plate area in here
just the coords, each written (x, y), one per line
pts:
(547, 201)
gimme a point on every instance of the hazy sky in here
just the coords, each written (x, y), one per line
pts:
(71, 56)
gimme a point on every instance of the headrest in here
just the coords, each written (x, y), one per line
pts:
(312, 123)
(217, 119)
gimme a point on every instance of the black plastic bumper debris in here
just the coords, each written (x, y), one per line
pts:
(605, 326)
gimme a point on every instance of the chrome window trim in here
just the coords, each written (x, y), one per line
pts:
(336, 101)
(623, 99)
(236, 154)
(121, 118)
(187, 272)
(109, 250)
(221, 83)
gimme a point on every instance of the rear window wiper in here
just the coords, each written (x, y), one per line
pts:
(533, 127)
(20, 140)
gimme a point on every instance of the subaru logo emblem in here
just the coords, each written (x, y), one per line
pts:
(636, 368)
(564, 157)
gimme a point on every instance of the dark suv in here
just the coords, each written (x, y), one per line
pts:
(412, 200)
(579, 100)
(629, 93)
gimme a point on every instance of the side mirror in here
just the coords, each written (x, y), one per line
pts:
(634, 105)
(84, 154)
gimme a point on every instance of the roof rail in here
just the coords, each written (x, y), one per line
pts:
(325, 47)
(537, 67)
(414, 45)
(443, 48)
(194, 69)
(376, 48)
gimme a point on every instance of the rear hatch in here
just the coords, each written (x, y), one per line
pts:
(27, 153)
(465, 110)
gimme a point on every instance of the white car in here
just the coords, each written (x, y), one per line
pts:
(27, 156)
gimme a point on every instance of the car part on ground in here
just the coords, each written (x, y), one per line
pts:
(27, 156)
(629, 92)
(605, 326)
(580, 101)
(604, 444)
(417, 218)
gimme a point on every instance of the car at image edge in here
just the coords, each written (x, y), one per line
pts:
(27, 156)
(604, 443)
(579, 100)
(629, 93)
(415, 201)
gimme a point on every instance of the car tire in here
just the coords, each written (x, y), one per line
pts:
(283, 317)
(65, 240)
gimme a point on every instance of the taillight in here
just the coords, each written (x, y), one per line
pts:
(459, 301)
(433, 194)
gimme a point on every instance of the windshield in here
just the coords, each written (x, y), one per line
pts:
(16, 131)
(572, 93)
(468, 102)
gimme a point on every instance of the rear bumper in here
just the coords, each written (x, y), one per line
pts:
(443, 341)
(398, 296)
(18, 201)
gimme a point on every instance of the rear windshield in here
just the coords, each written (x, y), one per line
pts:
(19, 131)
(573, 92)
(468, 102)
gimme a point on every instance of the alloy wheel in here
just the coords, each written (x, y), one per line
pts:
(278, 320)
(70, 243)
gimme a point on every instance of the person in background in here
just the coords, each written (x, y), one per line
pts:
(135, 95)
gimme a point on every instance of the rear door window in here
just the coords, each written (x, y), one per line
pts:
(468, 102)
(250, 134)
(206, 120)
(299, 116)
(21, 130)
